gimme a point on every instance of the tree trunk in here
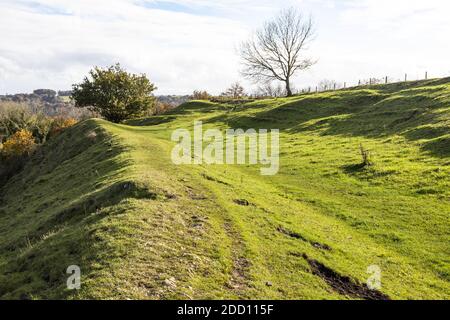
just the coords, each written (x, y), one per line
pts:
(288, 88)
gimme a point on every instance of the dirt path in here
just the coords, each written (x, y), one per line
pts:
(239, 280)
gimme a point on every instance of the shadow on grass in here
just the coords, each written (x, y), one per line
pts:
(65, 189)
(151, 121)
(362, 112)
(354, 168)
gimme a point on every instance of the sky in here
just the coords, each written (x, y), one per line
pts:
(186, 45)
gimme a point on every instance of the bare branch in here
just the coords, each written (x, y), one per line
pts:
(275, 51)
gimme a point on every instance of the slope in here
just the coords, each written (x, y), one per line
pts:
(108, 198)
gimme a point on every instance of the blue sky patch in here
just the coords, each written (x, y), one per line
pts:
(44, 9)
(177, 7)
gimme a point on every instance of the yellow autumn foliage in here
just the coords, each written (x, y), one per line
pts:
(59, 124)
(19, 144)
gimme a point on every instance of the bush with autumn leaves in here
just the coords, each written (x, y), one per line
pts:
(21, 143)
(21, 133)
(59, 124)
(20, 123)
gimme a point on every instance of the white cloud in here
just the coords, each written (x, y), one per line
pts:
(53, 43)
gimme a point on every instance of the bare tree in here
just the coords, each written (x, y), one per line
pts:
(275, 51)
(371, 81)
(269, 90)
(200, 95)
(327, 84)
(235, 91)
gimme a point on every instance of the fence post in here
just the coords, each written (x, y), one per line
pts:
(317, 89)
(345, 85)
(386, 80)
(426, 75)
(406, 77)
(335, 87)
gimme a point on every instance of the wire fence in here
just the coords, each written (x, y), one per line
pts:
(332, 85)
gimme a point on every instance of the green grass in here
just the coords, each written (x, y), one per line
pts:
(108, 198)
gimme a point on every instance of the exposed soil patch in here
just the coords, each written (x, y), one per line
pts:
(209, 178)
(298, 236)
(239, 275)
(291, 234)
(242, 202)
(198, 221)
(194, 195)
(342, 284)
(238, 279)
(321, 246)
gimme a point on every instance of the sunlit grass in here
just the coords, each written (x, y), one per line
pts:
(140, 227)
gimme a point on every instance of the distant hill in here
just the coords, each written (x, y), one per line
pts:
(39, 95)
(173, 100)
(47, 101)
(108, 198)
(56, 102)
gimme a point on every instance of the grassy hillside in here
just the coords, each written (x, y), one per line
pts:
(108, 198)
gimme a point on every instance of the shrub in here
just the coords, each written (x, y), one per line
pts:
(20, 144)
(40, 127)
(235, 91)
(201, 95)
(59, 124)
(15, 117)
(162, 107)
(114, 93)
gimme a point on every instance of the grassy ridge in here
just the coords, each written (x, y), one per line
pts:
(107, 198)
